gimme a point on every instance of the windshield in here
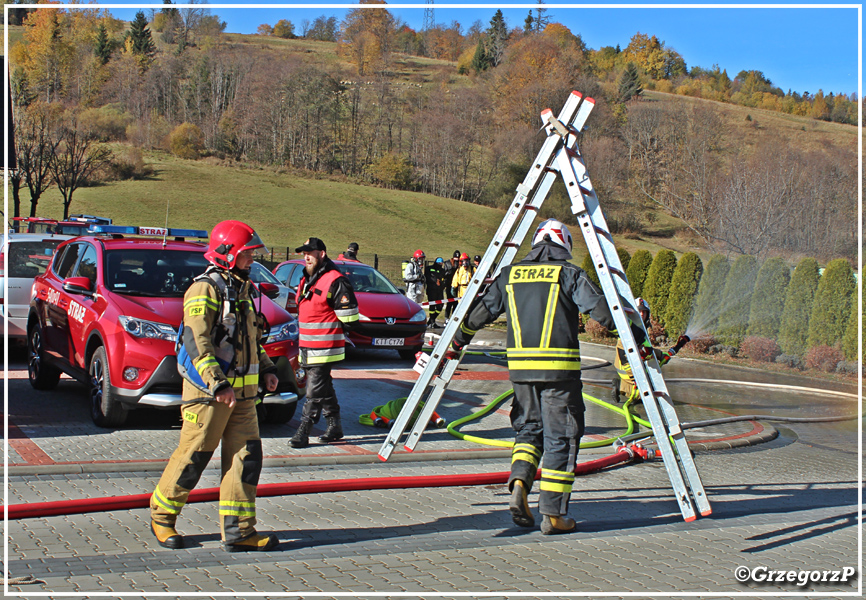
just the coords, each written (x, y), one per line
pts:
(260, 274)
(152, 272)
(367, 279)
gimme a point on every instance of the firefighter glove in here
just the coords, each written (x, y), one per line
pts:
(645, 350)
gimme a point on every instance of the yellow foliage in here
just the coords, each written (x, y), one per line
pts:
(186, 141)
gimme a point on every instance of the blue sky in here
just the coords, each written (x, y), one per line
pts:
(798, 48)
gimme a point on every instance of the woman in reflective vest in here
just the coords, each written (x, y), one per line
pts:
(326, 307)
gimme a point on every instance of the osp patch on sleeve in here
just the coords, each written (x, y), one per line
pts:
(190, 416)
(195, 311)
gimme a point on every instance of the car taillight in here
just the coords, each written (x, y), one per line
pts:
(2, 262)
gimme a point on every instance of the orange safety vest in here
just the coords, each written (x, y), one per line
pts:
(321, 338)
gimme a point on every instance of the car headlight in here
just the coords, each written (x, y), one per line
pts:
(281, 333)
(148, 329)
(418, 317)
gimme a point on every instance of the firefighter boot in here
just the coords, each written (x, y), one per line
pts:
(334, 431)
(301, 439)
(519, 505)
(166, 535)
(255, 543)
(555, 525)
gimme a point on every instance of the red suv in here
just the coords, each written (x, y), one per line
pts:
(106, 312)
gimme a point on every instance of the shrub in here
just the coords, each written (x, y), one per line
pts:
(823, 358)
(799, 299)
(597, 331)
(759, 348)
(789, 360)
(107, 122)
(736, 300)
(684, 287)
(832, 306)
(657, 287)
(186, 141)
(768, 300)
(129, 165)
(702, 344)
(637, 270)
(624, 258)
(849, 341)
(723, 349)
(589, 266)
(847, 368)
(708, 303)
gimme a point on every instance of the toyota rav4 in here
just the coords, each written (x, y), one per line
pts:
(107, 310)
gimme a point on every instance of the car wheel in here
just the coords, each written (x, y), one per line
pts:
(105, 409)
(409, 353)
(42, 376)
(279, 414)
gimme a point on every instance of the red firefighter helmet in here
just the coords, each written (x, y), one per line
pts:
(419, 254)
(464, 256)
(228, 239)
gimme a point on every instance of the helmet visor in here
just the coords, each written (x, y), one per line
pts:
(255, 242)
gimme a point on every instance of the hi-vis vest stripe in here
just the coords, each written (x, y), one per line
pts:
(321, 338)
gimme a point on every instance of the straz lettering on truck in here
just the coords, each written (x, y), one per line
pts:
(152, 231)
(533, 274)
(76, 311)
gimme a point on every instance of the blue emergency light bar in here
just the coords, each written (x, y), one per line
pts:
(149, 231)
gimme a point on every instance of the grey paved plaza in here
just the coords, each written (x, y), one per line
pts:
(784, 498)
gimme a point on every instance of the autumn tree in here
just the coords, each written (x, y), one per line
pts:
(367, 36)
(284, 29)
(76, 160)
(799, 300)
(45, 55)
(265, 29)
(768, 301)
(323, 29)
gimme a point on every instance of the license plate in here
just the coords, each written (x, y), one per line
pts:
(389, 341)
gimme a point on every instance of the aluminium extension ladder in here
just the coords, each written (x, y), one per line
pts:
(559, 155)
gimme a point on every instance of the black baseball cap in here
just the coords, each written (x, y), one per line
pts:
(456, 254)
(353, 246)
(477, 257)
(311, 245)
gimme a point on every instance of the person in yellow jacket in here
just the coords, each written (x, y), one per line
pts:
(623, 384)
(463, 275)
(220, 342)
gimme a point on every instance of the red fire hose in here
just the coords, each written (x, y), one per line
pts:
(67, 507)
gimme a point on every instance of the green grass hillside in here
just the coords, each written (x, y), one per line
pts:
(286, 209)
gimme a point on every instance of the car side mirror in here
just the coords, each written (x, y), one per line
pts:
(271, 290)
(78, 285)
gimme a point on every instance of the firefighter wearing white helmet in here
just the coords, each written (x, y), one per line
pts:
(543, 295)
(221, 344)
(623, 384)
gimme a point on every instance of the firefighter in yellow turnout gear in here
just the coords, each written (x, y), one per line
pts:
(221, 339)
(543, 296)
(624, 384)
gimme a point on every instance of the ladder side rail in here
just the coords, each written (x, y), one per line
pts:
(660, 391)
(587, 228)
(524, 191)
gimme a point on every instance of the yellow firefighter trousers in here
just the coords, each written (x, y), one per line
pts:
(204, 426)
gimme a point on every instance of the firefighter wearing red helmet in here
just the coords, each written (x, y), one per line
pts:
(623, 384)
(326, 308)
(414, 277)
(543, 295)
(463, 275)
(221, 336)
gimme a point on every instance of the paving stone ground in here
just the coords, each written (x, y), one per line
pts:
(789, 503)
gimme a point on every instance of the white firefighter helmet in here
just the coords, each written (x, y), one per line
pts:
(553, 231)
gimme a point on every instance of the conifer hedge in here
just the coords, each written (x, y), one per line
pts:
(657, 287)
(684, 288)
(589, 266)
(737, 300)
(832, 306)
(624, 258)
(637, 270)
(799, 299)
(768, 300)
(708, 303)
(849, 342)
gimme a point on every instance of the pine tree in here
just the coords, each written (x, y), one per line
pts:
(629, 83)
(624, 258)
(708, 303)
(637, 269)
(832, 305)
(799, 300)
(496, 39)
(657, 287)
(737, 300)
(849, 342)
(139, 33)
(684, 288)
(589, 266)
(768, 301)
(480, 60)
(102, 48)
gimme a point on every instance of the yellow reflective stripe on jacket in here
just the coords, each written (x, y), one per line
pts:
(543, 352)
(556, 481)
(549, 312)
(239, 509)
(544, 365)
(244, 380)
(206, 300)
(205, 362)
(512, 316)
(169, 505)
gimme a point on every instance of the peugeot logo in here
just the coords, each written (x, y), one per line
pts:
(390, 320)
